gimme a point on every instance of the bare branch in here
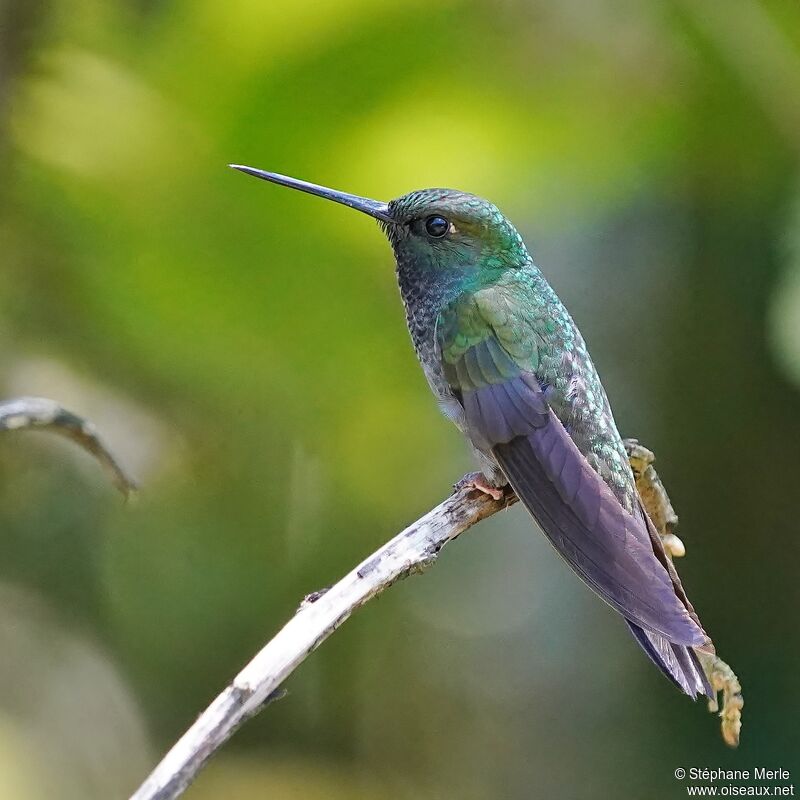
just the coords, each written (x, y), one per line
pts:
(321, 613)
(410, 552)
(24, 413)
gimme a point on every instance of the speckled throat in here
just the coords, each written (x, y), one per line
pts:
(424, 293)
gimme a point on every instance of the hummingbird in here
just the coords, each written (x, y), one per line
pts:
(509, 367)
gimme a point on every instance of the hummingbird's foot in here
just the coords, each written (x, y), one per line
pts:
(477, 480)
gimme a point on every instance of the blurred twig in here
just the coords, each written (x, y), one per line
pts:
(321, 613)
(411, 551)
(37, 412)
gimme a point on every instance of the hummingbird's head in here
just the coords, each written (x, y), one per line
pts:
(432, 229)
(447, 229)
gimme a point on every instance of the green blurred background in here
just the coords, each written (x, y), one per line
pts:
(243, 350)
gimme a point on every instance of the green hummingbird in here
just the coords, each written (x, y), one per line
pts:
(510, 368)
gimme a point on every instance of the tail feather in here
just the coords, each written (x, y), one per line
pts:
(679, 663)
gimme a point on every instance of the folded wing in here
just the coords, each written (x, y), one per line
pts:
(615, 552)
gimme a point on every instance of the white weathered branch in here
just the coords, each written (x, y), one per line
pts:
(38, 412)
(412, 550)
(318, 617)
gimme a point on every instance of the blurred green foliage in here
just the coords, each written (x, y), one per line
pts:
(242, 348)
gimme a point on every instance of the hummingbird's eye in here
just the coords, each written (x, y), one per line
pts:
(436, 226)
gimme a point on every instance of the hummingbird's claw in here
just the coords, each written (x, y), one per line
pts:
(478, 481)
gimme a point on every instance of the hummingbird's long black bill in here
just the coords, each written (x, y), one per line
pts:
(372, 207)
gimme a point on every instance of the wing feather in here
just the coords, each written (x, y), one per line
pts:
(606, 546)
